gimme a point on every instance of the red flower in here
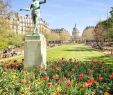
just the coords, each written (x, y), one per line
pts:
(81, 76)
(100, 77)
(68, 84)
(45, 78)
(89, 83)
(55, 76)
(58, 68)
(86, 84)
(111, 75)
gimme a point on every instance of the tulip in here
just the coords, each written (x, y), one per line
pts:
(100, 77)
(81, 76)
(55, 76)
(58, 68)
(45, 78)
(68, 84)
(111, 75)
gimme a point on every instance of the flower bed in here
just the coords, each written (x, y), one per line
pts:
(62, 77)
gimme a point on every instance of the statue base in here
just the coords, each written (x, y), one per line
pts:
(34, 50)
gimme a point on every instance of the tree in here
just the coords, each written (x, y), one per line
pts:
(111, 12)
(104, 29)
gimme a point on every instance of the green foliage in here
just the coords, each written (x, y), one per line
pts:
(106, 27)
(111, 12)
(62, 77)
(15, 39)
(9, 38)
(111, 33)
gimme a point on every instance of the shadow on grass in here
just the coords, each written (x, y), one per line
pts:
(107, 60)
(80, 49)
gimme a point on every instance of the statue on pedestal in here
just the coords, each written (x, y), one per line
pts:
(35, 43)
(35, 6)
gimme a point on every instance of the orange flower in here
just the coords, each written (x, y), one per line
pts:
(86, 84)
(81, 76)
(92, 81)
(68, 84)
(22, 81)
(89, 83)
(55, 76)
(45, 78)
(106, 93)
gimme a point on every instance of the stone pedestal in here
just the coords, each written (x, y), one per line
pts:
(33, 51)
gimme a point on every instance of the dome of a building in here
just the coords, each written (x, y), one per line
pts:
(75, 33)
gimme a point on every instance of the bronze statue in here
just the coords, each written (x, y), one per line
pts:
(35, 7)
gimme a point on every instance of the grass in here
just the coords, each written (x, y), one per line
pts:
(78, 51)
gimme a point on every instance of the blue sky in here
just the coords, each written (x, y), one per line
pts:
(67, 13)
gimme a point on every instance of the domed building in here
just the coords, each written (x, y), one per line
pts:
(76, 37)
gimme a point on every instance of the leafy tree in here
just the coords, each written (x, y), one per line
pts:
(104, 29)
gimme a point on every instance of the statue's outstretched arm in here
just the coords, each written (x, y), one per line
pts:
(26, 9)
(42, 1)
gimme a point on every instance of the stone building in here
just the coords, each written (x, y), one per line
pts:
(76, 37)
(23, 24)
(44, 26)
(63, 34)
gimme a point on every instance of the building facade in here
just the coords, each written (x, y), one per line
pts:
(63, 34)
(22, 24)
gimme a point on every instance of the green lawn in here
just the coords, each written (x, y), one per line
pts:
(78, 51)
